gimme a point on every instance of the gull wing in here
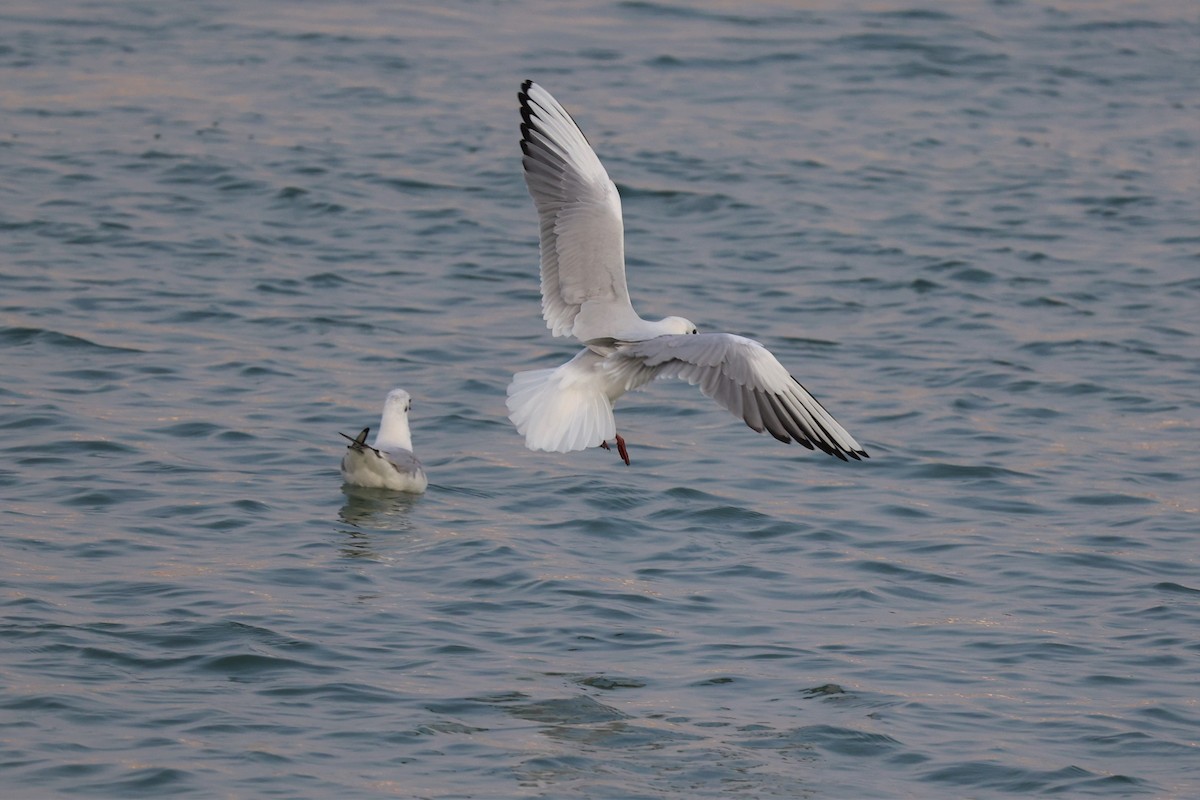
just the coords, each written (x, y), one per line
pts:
(584, 293)
(744, 377)
(358, 443)
(403, 461)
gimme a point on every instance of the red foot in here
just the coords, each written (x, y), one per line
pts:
(620, 449)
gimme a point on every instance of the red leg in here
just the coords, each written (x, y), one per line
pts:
(621, 449)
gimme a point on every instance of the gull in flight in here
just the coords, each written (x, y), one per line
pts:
(584, 295)
(387, 463)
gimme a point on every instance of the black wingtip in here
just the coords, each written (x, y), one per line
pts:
(523, 98)
(527, 121)
(357, 442)
(529, 113)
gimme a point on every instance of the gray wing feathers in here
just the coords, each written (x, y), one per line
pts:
(743, 377)
(581, 233)
(403, 461)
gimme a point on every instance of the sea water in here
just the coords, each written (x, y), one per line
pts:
(227, 229)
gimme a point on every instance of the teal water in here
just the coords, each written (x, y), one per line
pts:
(969, 228)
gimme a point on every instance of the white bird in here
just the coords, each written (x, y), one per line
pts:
(584, 294)
(388, 462)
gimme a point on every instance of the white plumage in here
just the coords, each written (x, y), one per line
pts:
(585, 295)
(388, 462)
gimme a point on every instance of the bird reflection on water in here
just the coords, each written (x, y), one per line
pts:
(372, 510)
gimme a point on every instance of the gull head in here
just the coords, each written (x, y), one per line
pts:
(398, 402)
(676, 325)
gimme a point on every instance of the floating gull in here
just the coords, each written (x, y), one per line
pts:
(388, 463)
(584, 294)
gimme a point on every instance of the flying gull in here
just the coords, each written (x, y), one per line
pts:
(584, 294)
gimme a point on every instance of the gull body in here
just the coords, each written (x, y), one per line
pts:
(388, 462)
(585, 295)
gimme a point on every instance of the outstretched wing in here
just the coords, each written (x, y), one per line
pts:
(744, 377)
(584, 293)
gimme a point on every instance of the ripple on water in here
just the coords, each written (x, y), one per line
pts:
(978, 250)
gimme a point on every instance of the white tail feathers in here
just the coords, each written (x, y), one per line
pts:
(562, 409)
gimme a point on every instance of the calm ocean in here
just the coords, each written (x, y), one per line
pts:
(971, 229)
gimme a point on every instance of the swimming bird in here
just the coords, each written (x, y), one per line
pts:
(585, 295)
(388, 462)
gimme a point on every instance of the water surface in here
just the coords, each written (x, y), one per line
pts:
(968, 228)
